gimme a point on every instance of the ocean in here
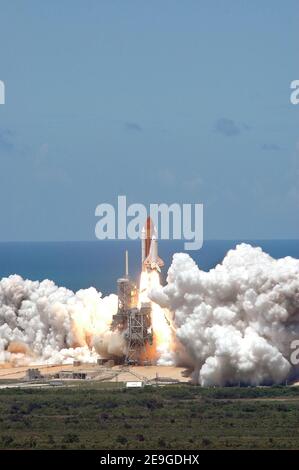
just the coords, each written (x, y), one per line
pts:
(79, 265)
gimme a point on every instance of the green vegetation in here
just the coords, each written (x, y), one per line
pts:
(92, 416)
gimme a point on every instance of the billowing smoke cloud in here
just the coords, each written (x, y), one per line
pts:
(40, 322)
(233, 324)
(238, 320)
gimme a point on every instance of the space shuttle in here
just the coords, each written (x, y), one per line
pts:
(149, 248)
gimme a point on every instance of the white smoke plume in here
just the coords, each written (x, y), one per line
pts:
(40, 322)
(238, 320)
(233, 324)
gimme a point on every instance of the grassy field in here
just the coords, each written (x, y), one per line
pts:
(173, 417)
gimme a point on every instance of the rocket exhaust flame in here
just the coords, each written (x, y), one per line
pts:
(163, 337)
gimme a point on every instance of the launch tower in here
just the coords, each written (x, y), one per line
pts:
(133, 318)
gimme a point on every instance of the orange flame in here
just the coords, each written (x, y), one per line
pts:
(162, 341)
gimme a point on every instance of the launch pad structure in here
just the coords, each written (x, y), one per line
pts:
(133, 319)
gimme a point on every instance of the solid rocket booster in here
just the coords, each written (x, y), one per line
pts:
(149, 247)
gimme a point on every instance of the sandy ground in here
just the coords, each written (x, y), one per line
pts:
(152, 372)
(116, 373)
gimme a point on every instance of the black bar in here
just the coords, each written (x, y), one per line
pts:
(134, 458)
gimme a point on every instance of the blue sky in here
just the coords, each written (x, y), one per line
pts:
(162, 101)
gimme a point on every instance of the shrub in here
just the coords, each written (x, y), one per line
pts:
(103, 416)
(153, 404)
(7, 440)
(161, 443)
(33, 406)
(206, 442)
(51, 439)
(121, 440)
(70, 438)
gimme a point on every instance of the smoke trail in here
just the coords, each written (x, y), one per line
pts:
(236, 321)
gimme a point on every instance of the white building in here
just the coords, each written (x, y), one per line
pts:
(134, 384)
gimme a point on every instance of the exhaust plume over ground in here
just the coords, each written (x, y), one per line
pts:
(237, 321)
(40, 322)
(233, 324)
